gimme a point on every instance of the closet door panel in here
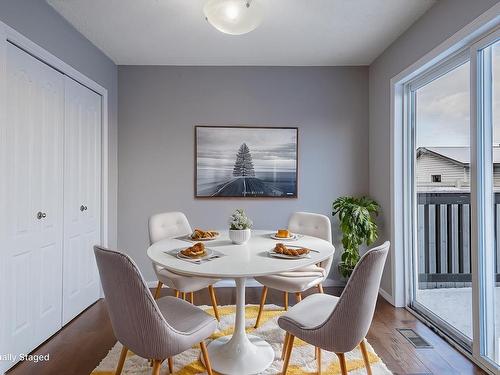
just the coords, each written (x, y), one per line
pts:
(82, 198)
(51, 193)
(21, 204)
(35, 105)
(92, 191)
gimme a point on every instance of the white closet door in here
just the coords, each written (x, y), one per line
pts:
(82, 200)
(34, 208)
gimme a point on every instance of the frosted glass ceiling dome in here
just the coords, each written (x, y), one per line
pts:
(234, 17)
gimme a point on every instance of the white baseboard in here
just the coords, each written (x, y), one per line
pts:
(386, 296)
(252, 283)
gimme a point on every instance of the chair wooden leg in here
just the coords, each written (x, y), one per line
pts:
(177, 293)
(158, 290)
(320, 288)
(261, 306)
(211, 290)
(191, 297)
(121, 361)
(206, 359)
(285, 295)
(288, 354)
(156, 367)
(184, 296)
(171, 365)
(343, 365)
(298, 296)
(285, 345)
(364, 352)
(318, 359)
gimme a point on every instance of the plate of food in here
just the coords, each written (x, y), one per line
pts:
(287, 252)
(196, 252)
(204, 235)
(283, 235)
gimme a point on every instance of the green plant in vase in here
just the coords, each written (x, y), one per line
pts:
(358, 226)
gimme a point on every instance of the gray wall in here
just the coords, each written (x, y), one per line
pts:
(159, 106)
(438, 24)
(40, 23)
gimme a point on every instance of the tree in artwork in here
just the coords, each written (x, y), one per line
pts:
(243, 166)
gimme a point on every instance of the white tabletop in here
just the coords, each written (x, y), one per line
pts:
(247, 260)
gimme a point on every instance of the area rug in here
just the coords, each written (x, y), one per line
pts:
(301, 362)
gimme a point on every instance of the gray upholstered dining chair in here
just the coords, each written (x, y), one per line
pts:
(298, 281)
(338, 324)
(152, 329)
(171, 225)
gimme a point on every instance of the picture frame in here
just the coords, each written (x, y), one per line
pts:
(246, 162)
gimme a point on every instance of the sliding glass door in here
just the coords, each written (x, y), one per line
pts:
(440, 120)
(453, 134)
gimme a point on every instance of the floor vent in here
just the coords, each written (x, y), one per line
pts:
(414, 338)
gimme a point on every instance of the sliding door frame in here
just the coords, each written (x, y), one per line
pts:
(482, 233)
(401, 223)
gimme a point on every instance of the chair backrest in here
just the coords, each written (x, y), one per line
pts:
(168, 225)
(352, 316)
(310, 224)
(137, 322)
(315, 225)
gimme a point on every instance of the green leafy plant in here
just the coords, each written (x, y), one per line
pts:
(358, 226)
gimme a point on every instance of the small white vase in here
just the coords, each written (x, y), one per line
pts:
(239, 236)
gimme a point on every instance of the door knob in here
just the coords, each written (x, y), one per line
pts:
(41, 215)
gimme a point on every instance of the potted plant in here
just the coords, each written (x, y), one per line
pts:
(239, 227)
(358, 226)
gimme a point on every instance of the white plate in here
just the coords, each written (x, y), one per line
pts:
(284, 256)
(291, 238)
(204, 239)
(209, 253)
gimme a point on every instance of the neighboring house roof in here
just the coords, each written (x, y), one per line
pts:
(460, 155)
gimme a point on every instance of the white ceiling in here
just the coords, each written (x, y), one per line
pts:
(294, 32)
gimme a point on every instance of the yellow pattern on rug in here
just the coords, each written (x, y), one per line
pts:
(302, 360)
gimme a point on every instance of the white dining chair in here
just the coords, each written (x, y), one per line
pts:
(172, 225)
(300, 280)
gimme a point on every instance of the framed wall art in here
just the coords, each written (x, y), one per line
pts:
(246, 162)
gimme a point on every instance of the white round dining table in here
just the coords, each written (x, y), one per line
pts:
(239, 353)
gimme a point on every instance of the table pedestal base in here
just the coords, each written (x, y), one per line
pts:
(240, 354)
(250, 355)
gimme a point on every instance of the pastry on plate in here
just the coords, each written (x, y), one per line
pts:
(282, 249)
(195, 251)
(199, 234)
(283, 233)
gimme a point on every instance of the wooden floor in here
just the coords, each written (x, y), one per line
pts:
(80, 346)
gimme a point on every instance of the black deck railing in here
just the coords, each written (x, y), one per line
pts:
(443, 239)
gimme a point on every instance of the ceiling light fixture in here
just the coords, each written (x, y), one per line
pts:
(234, 17)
